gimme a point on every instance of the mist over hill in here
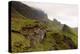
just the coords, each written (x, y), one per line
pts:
(30, 12)
(31, 30)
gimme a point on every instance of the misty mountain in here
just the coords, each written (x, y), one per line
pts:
(30, 33)
(33, 13)
(30, 12)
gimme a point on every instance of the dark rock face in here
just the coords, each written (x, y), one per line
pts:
(30, 12)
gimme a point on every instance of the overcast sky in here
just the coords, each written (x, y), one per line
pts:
(65, 13)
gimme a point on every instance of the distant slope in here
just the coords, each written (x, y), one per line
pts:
(58, 24)
(75, 29)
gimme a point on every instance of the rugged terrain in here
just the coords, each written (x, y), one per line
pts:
(31, 30)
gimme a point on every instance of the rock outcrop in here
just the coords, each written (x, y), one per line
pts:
(34, 33)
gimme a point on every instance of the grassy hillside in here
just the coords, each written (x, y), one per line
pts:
(29, 35)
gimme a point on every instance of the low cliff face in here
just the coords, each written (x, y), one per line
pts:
(34, 33)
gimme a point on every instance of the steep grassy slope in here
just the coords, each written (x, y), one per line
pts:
(30, 34)
(18, 22)
(30, 12)
(69, 32)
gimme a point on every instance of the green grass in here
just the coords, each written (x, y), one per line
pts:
(19, 42)
(54, 39)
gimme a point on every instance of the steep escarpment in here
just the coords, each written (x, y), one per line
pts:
(29, 32)
(29, 12)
